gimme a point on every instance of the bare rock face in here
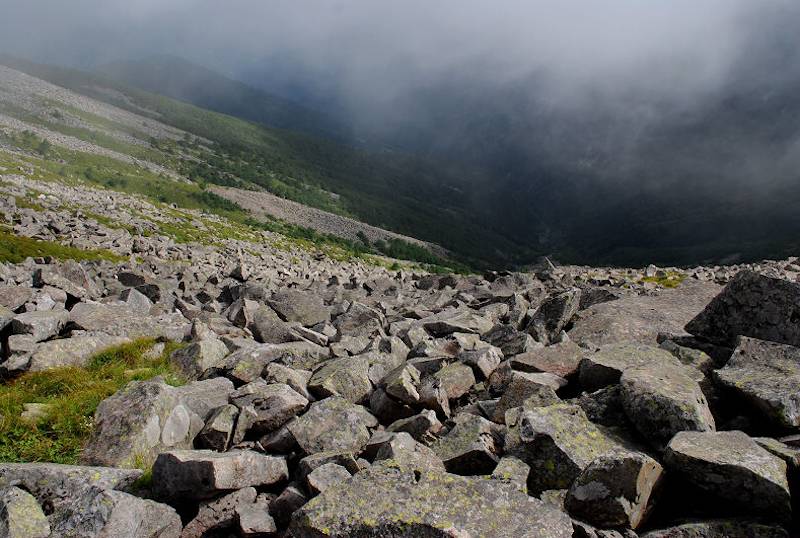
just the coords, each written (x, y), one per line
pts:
(734, 468)
(387, 501)
(766, 374)
(664, 399)
(615, 490)
(200, 474)
(751, 305)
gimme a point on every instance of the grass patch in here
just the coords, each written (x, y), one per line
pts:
(73, 394)
(670, 280)
(15, 249)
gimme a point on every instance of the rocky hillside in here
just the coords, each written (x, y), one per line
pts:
(172, 368)
(235, 384)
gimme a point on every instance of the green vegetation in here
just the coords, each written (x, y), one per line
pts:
(72, 395)
(671, 279)
(14, 249)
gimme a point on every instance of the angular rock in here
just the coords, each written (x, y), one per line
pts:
(326, 476)
(751, 305)
(558, 442)
(402, 384)
(523, 391)
(268, 328)
(264, 407)
(605, 366)
(100, 513)
(218, 429)
(560, 359)
(422, 427)
(288, 502)
(386, 501)
(360, 320)
(664, 399)
(219, 514)
(55, 485)
(553, 315)
(198, 357)
(21, 516)
(147, 417)
(471, 447)
(402, 451)
(333, 424)
(456, 379)
(297, 379)
(40, 325)
(767, 375)
(201, 474)
(75, 351)
(734, 468)
(255, 520)
(615, 490)
(347, 377)
(463, 321)
(303, 307)
(483, 361)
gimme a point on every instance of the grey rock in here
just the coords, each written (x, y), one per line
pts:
(560, 359)
(401, 450)
(264, 407)
(297, 379)
(751, 305)
(459, 321)
(483, 361)
(734, 468)
(662, 399)
(219, 514)
(75, 351)
(422, 427)
(471, 447)
(326, 476)
(386, 501)
(268, 328)
(255, 521)
(558, 442)
(201, 474)
(523, 391)
(55, 485)
(347, 377)
(360, 320)
(100, 513)
(513, 471)
(198, 357)
(333, 424)
(21, 516)
(766, 374)
(615, 490)
(605, 366)
(303, 307)
(402, 383)
(40, 325)
(218, 429)
(553, 315)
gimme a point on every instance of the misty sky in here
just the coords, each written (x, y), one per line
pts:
(607, 45)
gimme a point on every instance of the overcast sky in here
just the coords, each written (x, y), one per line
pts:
(687, 43)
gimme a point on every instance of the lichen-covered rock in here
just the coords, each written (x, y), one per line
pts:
(303, 307)
(56, 485)
(193, 360)
(662, 399)
(101, 513)
(423, 426)
(471, 447)
(614, 490)
(75, 351)
(387, 501)
(402, 383)
(333, 424)
(219, 514)
(767, 374)
(483, 360)
(734, 468)
(347, 377)
(201, 474)
(523, 391)
(457, 321)
(265, 407)
(558, 442)
(147, 417)
(326, 476)
(751, 305)
(218, 429)
(40, 325)
(720, 528)
(605, 366)
(553, 315)
(561, 359)
(21, 516)
(403, 451)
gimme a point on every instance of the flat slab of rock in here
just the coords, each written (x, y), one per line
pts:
(75, 351)
(122, 320)
(641, 318)
(751, 305)
(561, 359)
(605, 366)
(768, 375)
(387, 501)
(198, 474)
(333, 424)
(733, 467)
(56, 485)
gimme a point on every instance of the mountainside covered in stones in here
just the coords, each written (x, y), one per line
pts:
(172, 367)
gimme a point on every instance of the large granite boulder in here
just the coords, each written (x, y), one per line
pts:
(606, 365)
(148, 417)
(333, 424)
(389, 501)
(734, 468)
(767, 374)
(303, 307)
(751, 305)
(641, 318)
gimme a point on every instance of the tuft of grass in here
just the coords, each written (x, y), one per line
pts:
(15, 248)
(670, 280)
(73, 395)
